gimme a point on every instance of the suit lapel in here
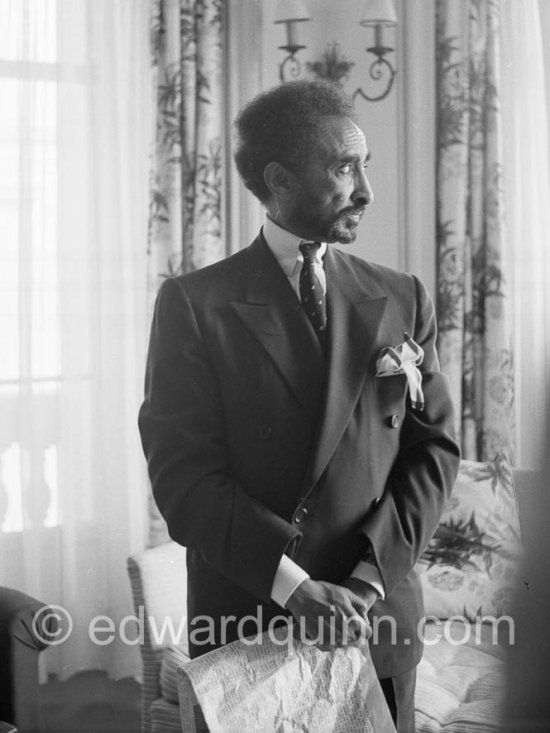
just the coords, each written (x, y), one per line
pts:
(273, 314)
(354, 319)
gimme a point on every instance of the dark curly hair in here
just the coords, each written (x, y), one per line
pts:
(280, 125)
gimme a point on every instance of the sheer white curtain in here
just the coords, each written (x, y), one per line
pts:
(74, 143)
(527, 191)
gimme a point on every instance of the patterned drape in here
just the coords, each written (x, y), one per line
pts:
(472, 297)
(185, 216)
(185, 222)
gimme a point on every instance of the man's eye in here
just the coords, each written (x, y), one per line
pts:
(346, 168)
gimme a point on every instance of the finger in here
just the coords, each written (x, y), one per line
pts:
(345, 611)
(360, 607)
(319, 630)
(344, 626)
(358, 628)
(362, 611)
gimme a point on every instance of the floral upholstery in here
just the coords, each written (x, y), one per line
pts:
(469, 568)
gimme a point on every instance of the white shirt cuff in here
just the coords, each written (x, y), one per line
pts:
(370, 574)
(287, 578)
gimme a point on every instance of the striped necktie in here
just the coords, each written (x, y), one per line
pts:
(312, 294)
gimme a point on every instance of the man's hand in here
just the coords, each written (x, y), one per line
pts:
(329, 614)
(365, 591)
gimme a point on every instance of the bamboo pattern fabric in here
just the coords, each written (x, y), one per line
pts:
(185, 224)
(472, 298)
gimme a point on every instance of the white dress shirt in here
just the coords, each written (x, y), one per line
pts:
(285, 248)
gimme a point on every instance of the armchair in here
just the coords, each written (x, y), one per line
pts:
(19, 650)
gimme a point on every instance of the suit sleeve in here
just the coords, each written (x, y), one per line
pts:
(424, 472)
(183, 434)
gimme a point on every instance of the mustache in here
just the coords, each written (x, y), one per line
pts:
(354, 211)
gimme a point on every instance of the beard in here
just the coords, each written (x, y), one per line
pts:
(315, 225)
(342, 230)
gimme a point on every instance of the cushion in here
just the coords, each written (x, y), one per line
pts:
(470, 566)
(459, 686)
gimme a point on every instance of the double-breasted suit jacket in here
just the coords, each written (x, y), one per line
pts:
(259, 443)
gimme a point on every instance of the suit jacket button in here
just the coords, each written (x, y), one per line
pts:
(300, 515)
(394, 421)
(376, 501)
(265, 432)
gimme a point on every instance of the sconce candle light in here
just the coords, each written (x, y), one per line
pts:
(291, 13)
(380, 15)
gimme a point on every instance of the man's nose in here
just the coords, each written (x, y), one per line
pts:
(362, 194)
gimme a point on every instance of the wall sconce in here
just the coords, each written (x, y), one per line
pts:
(291, 13)
(380, 15)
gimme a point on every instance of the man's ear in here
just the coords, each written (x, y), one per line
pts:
(280, 181)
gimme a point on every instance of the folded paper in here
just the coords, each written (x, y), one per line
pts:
(404, 359)
(275, 682)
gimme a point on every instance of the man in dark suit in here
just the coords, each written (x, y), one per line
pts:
(297, 478)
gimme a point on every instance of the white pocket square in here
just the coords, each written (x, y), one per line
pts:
(404, 359)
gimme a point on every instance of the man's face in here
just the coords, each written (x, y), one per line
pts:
(332, 192)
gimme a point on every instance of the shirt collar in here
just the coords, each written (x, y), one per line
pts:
(285, 246)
